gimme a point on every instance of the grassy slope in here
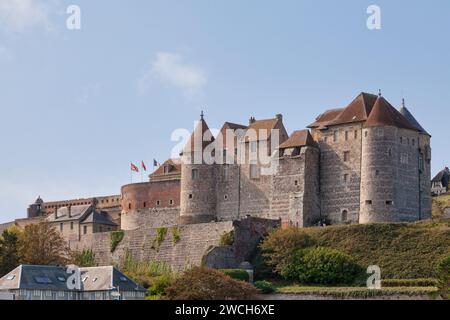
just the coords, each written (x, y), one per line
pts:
(402, 250)
(439, 204)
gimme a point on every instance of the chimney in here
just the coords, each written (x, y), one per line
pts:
(251, 120)
(279, 116)
(69, 211)
(56, 213)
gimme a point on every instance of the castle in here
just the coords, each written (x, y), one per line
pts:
(367, 162)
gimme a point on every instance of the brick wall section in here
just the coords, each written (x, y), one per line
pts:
(157, 194)
(195, 240)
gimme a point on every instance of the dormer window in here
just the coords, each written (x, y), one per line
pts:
(167, 168)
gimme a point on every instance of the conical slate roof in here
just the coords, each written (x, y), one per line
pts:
(405, 112)
(383, 114)
(197, 141)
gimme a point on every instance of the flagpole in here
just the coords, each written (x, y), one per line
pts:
(131, 174)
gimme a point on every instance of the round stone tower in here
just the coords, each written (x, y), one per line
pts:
(388, 160)
(198, 182)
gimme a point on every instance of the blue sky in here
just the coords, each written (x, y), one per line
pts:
(78, 105)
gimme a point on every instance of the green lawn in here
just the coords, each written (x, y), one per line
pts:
(355, 292)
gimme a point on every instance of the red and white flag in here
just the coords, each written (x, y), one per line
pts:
(134, 168)
(143, 165)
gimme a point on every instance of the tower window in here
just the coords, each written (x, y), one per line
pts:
(346, 177)
(129, 206)
(145, 204)
(158, 203)
(61, 226)
(356, 134)
(335, 136)
(195, 174)
(346, 156)
(389, 202)
(296, 182)
(253, 146)
(346, 135)
(253, 170)
(171, 202)
(368, 202)
(225, 197)
(190, 196)
(344, 215)
(71, 225)
(225, 172)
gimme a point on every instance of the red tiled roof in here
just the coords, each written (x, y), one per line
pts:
(174, 167)
(261, 126)
(383, 114)
(358, 110)
(222, 136)
(326, 117)
(298, 138)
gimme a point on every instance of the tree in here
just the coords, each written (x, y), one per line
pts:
(41, 244)
(9, 258)
(443, 271)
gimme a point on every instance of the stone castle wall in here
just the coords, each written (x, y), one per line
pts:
(194, 242)
(295, 195)
(150, 218)
(340, 172)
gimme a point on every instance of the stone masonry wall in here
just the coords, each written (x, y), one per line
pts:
(195, 240)
(150, 218)
(340, 176)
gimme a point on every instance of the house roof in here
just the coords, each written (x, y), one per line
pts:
(263, 129)
(325, 118)
(298, 138)
(443, 175)
(76, 213)
(221, 138)
(34, 277)
(83, 214)
(408, 115)
(358, 110)
(384, 114)
(174, 167)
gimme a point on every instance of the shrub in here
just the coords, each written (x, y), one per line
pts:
(201, 283)
(264, 286)
(280, 244)
(85, 258)
(116, 238)
(160, 236)
(237, 274)
(143, 272)
(227, 238)
(322, 266)
(175, 235)
(443, 271)
(159, 284)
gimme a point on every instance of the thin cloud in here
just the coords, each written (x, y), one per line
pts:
(20, 15)
(171, 69)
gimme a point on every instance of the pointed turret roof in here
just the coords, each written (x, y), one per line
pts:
(384, 114)
(408, 115)
(358, 110)
(200, 138)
